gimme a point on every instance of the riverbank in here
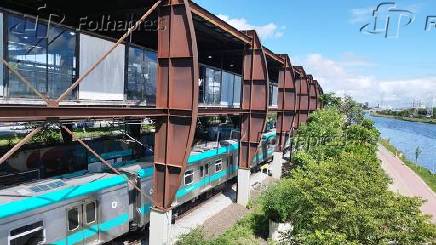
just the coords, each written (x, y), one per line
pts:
(406, 182)
(408, 119)
(425, 174)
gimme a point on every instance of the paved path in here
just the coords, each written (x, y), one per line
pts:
(220, 205)
(406, 182)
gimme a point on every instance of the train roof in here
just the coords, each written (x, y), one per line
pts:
(30, 196)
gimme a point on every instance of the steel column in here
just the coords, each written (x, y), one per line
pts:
(254, 100)
(177, 92)
(312, 94)
(286, 103)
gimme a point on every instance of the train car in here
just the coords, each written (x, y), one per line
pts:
(78, 209)
(94, 206)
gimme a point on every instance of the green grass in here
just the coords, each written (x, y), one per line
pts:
(247, 231)
(425, 174)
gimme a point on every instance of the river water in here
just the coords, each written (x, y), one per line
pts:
(407, 136)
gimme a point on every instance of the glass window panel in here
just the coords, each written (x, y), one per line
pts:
(275, 93)
(73, 219)
(227, 89)
(237, 91)
(213, 86)
(1, 55)
(202, 92)
(189, 177)
(207, 169)
(201, 171)
(91, 209)
(45, 57)
(150, 88)
(136, 75)
(27, 49)
(142, 75)
(61, 60)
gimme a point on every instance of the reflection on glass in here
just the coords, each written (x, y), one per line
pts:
(218, 87)
(45, 57)
(142, 75)
(227, 89)
(237, 91)
(273, 94)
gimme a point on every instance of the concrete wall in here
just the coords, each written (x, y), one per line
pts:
(107, 81)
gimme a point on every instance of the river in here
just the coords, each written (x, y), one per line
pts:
(407, 136)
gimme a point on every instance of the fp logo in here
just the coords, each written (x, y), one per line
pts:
(388, 20)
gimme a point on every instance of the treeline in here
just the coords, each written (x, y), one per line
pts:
(408, 113)
(337, 192)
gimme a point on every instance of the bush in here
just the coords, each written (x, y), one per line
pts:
(338, 193)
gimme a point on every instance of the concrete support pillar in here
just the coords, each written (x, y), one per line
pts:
(160, 227)
(277, 165)
(243, 186)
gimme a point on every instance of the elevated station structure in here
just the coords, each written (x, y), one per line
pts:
(170, 60)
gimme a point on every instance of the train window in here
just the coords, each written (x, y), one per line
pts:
(91, 212)
(218, 165)
(28, 234)
(206, 172)
(189, 177)
(73, 219)
(201, 171)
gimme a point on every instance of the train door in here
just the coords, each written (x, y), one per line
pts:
(82, 223)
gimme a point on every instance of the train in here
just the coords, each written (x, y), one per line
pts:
(95, 206)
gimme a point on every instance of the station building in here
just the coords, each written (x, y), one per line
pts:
(66, 62)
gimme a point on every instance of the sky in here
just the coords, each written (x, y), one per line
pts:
(338, 42)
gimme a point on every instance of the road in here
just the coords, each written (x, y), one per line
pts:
(406, 182)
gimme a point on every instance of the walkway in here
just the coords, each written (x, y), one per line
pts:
(219, 213)
(407, 182)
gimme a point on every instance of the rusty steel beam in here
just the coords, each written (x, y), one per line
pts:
(312, 94)
(43, 113)
(177, 92)
(254, 99)
(217, 22)
(302, 88)
(276, 57)
(286, 103)
(319, 93)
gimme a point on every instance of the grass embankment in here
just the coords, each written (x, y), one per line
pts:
(409, 119)
(249, 230)
(425, 174)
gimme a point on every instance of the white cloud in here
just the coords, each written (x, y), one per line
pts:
(361, 15)
(270, 30)
(336, 76)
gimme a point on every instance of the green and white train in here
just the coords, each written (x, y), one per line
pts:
(95, 206)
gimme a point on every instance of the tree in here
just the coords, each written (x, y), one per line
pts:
(338, 193)
(330, 100)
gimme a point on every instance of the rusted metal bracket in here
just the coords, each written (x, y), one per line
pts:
(286, 103)
(177, 92)
(254, 100)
